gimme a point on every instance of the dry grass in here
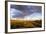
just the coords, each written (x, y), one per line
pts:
(25, 24)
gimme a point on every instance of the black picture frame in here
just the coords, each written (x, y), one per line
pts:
(6, 16)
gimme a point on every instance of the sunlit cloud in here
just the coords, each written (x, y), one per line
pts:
(34, 16)
(26, 12)
(15, 13)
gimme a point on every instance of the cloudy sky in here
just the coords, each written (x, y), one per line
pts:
(26, 11)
